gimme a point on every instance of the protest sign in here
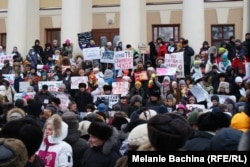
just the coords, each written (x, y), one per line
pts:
(141, 76)
(107, 57)
(6, 57)
(175, 60)
(23, 86)
(91, 53)
(112, 99)
(161, 71)
(10, 78)
(18, 96)
(84, 38)
(190, 107)
(64, 68)
(64, 100)
(199, 93)
(222, 99)
(123, 60)
(52, 85)
(120, 88)
(76, 80)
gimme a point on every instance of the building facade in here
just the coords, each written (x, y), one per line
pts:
(130, 21)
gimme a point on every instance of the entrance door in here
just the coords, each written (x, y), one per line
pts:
(102, 36)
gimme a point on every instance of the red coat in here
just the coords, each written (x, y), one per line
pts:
(162, 50)
(236, 62)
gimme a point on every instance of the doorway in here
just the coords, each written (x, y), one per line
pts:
(102, 36)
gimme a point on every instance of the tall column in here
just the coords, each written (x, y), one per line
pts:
(72, 22)
(246, 16)
(17, 26)
(132, 22)
(193, 23)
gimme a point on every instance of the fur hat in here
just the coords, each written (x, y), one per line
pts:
(118, 122)
(13, 153)
(70, 119)
(138, 136)
(108, 74)
(83, 127)
(52, 109)
(56, 100)
(107, 87)
(146, 115)
(60, 129)
(238, 79)
(224, 85)
(100, 130)
(215, 97)
(168, 131)
(15, 113)
(135, 98)
(26, 130)
(34, 108)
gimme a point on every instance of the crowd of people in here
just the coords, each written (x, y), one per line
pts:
(153, 115)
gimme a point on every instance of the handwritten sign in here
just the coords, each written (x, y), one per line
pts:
(107, 57)
(84, 38)
(6, 57)
(175, 60)
(23, 86)
(76, 80)
(64, 100)
(141, 76)
(113, 99)
(91, 53)
(123, 60)
(52, 85)
(120, 88)
(222, 99)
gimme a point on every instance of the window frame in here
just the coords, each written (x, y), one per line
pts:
(166, 26)
(3, 40)
(49, 36)
(222, 39)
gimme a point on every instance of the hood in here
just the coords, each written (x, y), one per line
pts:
(73, 136)
(111, 143)
(15, 113)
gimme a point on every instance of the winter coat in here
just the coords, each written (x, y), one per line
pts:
(42, 97)
(82, 99)
(7, 69)
(55, 152)
(199, 142)
(79, 146)
(102, 156)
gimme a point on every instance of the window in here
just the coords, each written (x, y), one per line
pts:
(221, 33)
(3, 40)
(166, 32)
(52, 34)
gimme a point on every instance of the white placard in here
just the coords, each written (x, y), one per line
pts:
(23, 86)
(76, 80)
(108, 57)
(52, 85)
(91, 53)
(175, 60)
(123, 60)
(120, 88)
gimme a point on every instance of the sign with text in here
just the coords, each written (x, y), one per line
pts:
(175, 60)
(113, 99)
(192, 106)
(108, 57)
(120, 88)
(64, 100)
(52, 85)
(10, 78)
(23, 86)
(123, 60)
(6, 57)
(76, 80)
(141, 76)
(161, 71)
(222, 99)
(199, 93)
(84, 38)
(91, 53)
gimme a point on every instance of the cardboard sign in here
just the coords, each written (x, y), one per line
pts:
(141, 76)
(120, 88)
(91, 53)
(175, 60)
(108, 57)
(113, 99)
(23, 86)
(52, 85)
(76, 80)
(123, 60)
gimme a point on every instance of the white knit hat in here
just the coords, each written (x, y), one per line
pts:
(138, 135)
(83, 127)
(238, 79)
(146, 115)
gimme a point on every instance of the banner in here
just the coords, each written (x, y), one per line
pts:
(84, 38)
(108, 57)
(123, 60)
(76, 80)
(91, 53)
(113, 99)
(141, 76)
(120, 88)
(175, 60)
(52, 85)
(222, 99)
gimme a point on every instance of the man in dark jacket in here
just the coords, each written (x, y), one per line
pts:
(44, 97)
(188, 53)
(83, 98)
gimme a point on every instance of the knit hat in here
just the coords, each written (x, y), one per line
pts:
(146, 115)
(13, 153)
(168, 131)
(14, 114)
(155, 93)
(45, 87)
(215, 97)
(62, 85)
(170, 97)
(138, 83)
(238, 79)
(70, 119)
(135, 98)
(107, 87)
(182, 82)
(100, 130)
(56, 100)
(192, 117)
(138, 135)
(83, 127)
(102, 107)
(108, 74)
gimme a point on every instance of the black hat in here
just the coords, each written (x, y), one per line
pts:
(155, 93)
(215, 97)
(70, 119)
(107, 87)
(100, 130)
(34, 108)
(56, 100)
(222, 75)
(45, 87)
(82, 85)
